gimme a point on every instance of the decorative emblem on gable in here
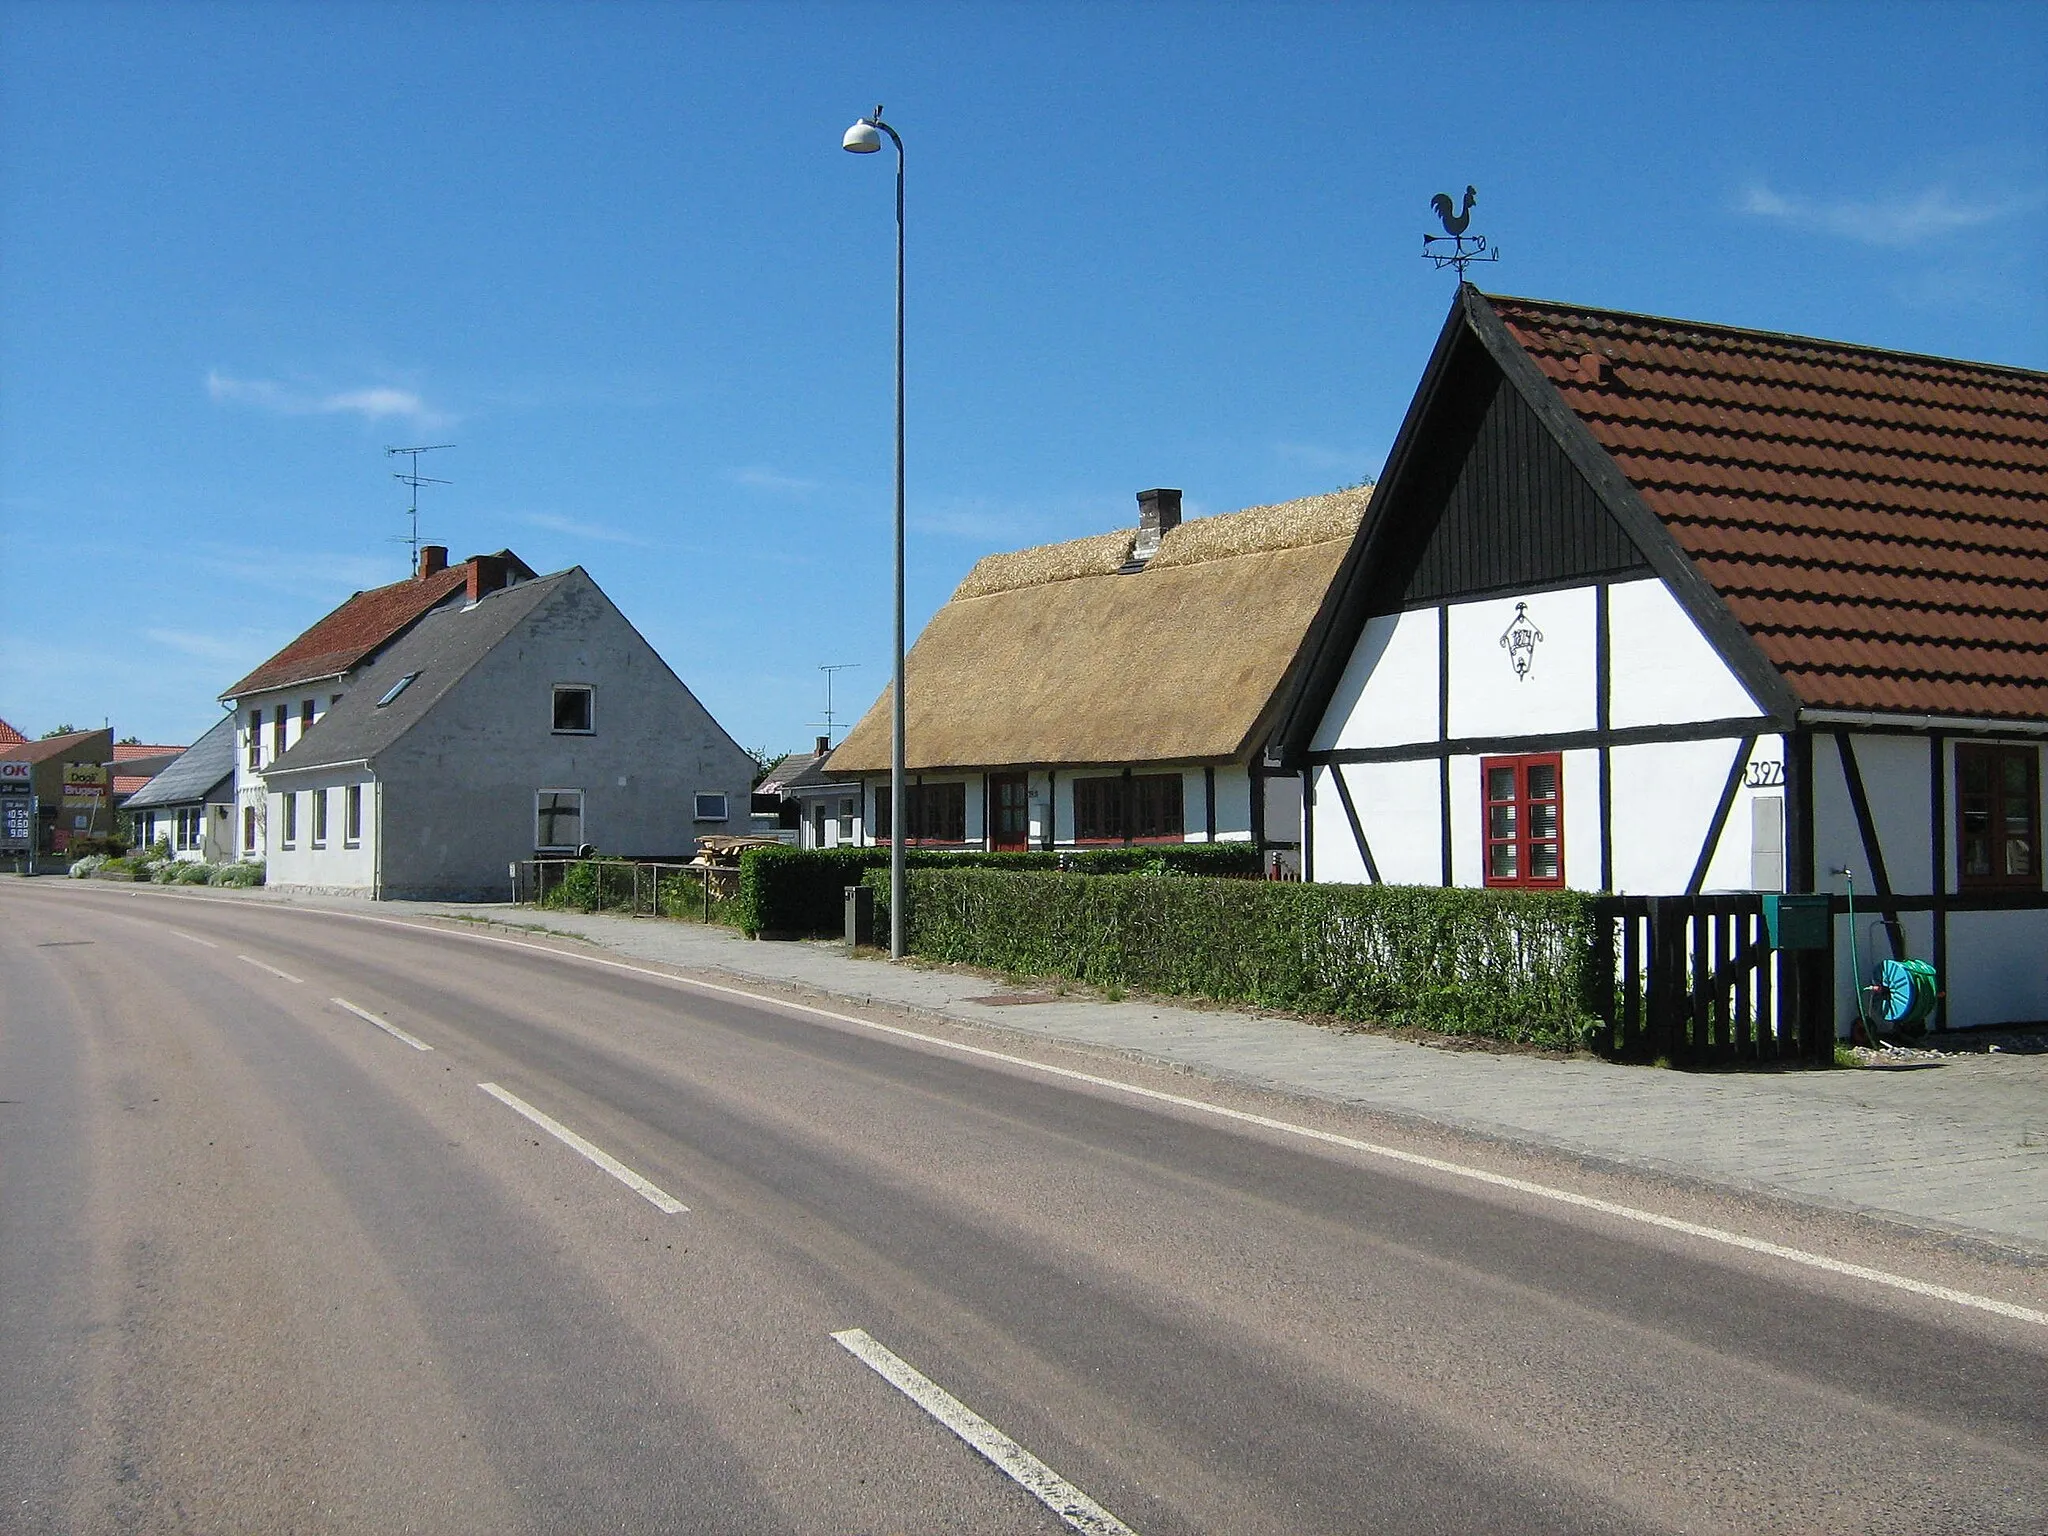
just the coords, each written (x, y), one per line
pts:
(1519, 640)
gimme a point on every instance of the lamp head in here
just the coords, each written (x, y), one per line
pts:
(863, 138)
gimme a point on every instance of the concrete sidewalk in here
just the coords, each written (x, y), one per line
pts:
(1959, 1144)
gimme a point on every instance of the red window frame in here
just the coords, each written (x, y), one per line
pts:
(1998, 817)
(1522, 820)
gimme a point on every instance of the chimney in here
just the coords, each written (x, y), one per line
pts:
(1158, 515)
(433, 559)
(487, 573)
(824, 745)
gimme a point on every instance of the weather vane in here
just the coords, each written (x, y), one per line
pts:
(1455, 248)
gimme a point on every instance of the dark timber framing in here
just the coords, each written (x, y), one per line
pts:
(1937, 818)
(1372, 869)
(1873, 850)
(1603, 721)
(1712, 840)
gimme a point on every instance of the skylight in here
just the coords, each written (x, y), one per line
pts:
(397, 688)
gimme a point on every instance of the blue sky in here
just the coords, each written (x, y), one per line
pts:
(614, 253)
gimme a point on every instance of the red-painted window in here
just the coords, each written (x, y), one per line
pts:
(1998, 808)
(1524, 819)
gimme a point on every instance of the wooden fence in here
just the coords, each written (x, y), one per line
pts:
(1695, 981)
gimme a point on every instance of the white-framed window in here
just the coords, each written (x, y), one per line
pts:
(319, 818)
(574, 710)
(291, 819)
(710, 808)
(558, 819)
(352, 816)
(248, 829)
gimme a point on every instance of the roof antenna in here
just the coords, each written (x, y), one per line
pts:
(1455, 248)
(828, 668)
(415, 479)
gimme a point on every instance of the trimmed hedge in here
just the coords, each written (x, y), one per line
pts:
(801, 891)
(1508, 965)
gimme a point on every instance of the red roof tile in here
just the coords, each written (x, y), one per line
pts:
(1878, 521)
(129, 751)
(9, 736)
(361, 627)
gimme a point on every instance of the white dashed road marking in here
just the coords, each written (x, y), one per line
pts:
(284, 975)
(389, 1028)
(1011, 1459)
(194, 939)
(596, 1154)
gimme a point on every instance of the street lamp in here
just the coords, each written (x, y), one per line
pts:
(865, 138)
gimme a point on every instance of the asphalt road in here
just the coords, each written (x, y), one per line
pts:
(266, 1266)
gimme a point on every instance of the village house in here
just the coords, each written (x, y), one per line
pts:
(1651, 606)
(282, 699)
(190, 803)
(512, 718)
(1117, 689)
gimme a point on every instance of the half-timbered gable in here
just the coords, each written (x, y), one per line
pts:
(1654, 607)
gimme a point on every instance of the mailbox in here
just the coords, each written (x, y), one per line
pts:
(1799, 921)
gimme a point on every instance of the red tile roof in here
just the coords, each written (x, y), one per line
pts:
(129, 751)
(9, 736)
(361, 627)
(1877, 521)
(48, 747)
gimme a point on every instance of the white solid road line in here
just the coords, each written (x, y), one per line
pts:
(286, 975)
(1011, 1459)
(389, 1028)
(596, 1154)
(193, 939)
(1620, 1212)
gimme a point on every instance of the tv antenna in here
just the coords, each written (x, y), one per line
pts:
(415, 479)
(828, 668)
(1455, 248)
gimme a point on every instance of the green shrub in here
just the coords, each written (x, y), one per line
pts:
(80, 868)
(799, 891)
(247, 873)
(1510, 965)
(191, 872)
(592, 885)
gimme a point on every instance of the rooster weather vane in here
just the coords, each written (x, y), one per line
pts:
(1455, 248)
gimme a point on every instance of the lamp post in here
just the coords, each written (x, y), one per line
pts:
(865, 138)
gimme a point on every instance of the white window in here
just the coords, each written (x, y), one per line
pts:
(573, 715)
(291, 819)
(352, 826)
(319, 818)
(710, 808)
(558, 819)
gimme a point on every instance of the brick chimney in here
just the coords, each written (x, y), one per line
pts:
(487, 573)
(433, 560)
(1158, 515)
(824, 745)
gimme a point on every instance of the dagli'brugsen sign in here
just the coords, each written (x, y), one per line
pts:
(85, 784)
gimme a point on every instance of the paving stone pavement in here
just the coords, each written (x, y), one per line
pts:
(1959, 1144)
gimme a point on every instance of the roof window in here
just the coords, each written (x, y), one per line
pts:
(397, 688)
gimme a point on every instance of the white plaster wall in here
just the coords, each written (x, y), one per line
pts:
(1730, 869)
(1558, 694)
(1194, 790)
(1468, 823)
(1399, 811)
(1997, 968)
(1336, 851)
(1894, 770)
(1836, 842)
(1233, 804)
(337, 866)
(1664, 797)
(1661, 669)
(1388, 693)
(1582, 819)
(1283, 809)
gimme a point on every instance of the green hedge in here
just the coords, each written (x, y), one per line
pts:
(1509, 965)
(797, 891)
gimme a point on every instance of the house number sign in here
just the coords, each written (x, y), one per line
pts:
(1519, 640)
(1764, 773)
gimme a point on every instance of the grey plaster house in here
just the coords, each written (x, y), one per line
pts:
(532, 719)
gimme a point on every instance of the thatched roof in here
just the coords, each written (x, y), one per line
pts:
(1048, 656)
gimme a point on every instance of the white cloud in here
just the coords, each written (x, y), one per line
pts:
(209, 647)
(577, 530)
(1899, 220)
(757, 479)
(379, 402)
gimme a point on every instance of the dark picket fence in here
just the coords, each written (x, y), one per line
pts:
(1696, 982)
